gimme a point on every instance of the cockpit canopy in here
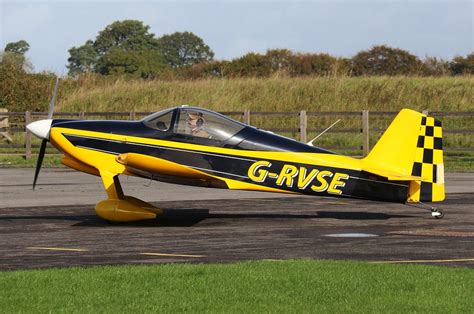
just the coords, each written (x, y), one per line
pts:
(195, 122)
(204, 127)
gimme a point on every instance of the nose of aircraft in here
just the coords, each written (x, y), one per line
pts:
(40, 128)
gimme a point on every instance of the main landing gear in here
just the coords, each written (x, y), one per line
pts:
(119, 207)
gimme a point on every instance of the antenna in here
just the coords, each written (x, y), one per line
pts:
(310, 143)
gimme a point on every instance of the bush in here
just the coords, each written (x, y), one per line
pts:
(462, 65)
(433, 66)
(383, 60)
(20, 91)
(321, 64)
(211, 69)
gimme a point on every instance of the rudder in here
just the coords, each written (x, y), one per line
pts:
(428, 163)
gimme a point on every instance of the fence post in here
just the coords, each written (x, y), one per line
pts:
(27, 136)
(365, 132)
(247, 116)
(82, 115)
(303, 126)
(132, 115)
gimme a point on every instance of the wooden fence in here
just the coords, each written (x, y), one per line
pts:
(18, 120)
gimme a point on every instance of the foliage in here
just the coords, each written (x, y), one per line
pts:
(384, 60)
(317, 64)
(463, 65)
(252, 64)
(211, 69)
(189, 57)
(123, 47)
(20, 47)
(435, 66)
(11, 62)
(184, 49)
(82, 59)
(21, 91)
(279, 60)
(273, 62)
(13, 57)
(126, 35)
(141, 64)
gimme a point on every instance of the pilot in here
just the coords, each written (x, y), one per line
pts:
(195, 123)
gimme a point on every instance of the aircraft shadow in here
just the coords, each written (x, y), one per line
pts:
(191, 217)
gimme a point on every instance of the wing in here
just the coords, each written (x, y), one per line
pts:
(149, 166)
(168, 171)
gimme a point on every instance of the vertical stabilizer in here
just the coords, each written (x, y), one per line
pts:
(412, 148)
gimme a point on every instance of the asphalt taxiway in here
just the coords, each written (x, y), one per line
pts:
(55, 225)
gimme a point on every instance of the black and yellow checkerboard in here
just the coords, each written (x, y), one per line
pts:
(428, 162)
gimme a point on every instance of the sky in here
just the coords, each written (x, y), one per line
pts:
(439, 28)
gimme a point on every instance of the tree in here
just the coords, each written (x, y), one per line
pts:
(82, 59)
(14, 56)
(184, 49)
(143, 64)
(126, 35)
(115, 49)
(20, 47)
(383, 60)
(462, 65)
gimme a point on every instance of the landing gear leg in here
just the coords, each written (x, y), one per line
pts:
(437, 213)
(120, 207)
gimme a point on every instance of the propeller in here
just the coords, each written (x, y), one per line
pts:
(53, 100)
(41, 129)
(40, 160)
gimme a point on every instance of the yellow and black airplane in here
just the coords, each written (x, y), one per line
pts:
(194, 146)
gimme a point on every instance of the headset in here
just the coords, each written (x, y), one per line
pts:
(200, 122)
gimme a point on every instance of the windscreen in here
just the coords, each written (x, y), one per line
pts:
(160, 121)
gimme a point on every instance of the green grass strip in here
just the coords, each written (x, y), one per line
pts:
(281, 286)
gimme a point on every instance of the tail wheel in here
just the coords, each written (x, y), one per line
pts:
(437, 213)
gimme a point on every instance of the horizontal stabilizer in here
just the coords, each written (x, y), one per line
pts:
(392, 176)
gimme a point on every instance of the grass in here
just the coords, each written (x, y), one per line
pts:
(283, 286)
(21, 162)
(278, 94)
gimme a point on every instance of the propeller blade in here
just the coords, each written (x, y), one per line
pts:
(53, 100)
(40, 160)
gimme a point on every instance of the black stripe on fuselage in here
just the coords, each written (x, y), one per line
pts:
(359, 184)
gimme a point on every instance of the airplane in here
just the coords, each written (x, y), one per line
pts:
(195, 146)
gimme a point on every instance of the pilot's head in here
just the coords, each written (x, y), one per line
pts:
(195, 120)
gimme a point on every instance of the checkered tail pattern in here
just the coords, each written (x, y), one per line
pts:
(428, 163)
